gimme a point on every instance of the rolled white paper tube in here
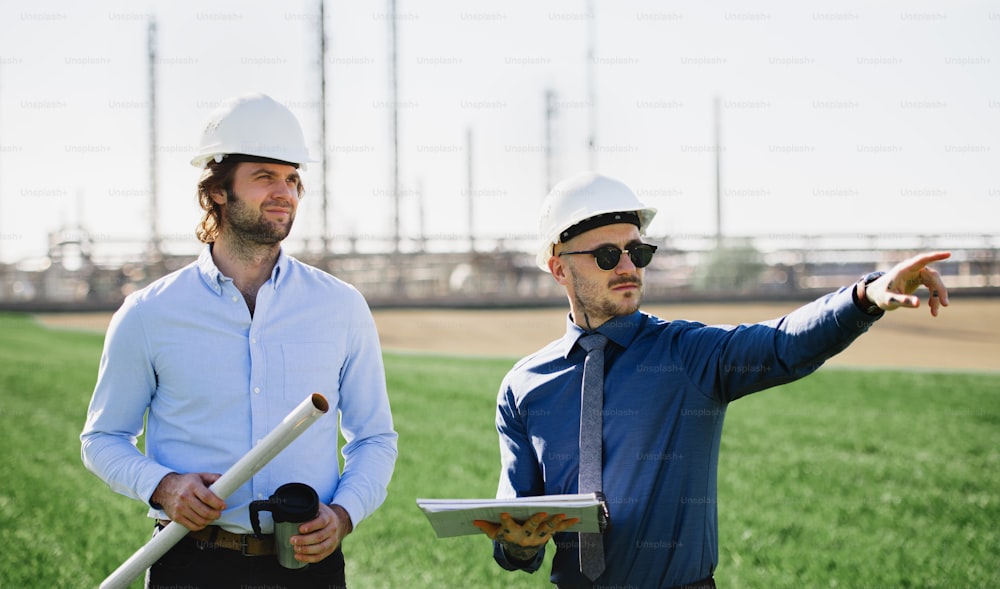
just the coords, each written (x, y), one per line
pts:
(296, 422)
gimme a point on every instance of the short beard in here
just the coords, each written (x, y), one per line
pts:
(249, 227)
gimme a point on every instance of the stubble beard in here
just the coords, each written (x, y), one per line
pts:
(595, 302)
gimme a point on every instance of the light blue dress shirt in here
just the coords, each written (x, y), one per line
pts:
(667, 386)
(215, 381)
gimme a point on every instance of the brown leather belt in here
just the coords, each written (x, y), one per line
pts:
(213, 537)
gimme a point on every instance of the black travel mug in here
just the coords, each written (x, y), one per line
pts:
(290, 505)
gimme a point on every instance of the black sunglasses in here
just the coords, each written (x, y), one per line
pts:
(608, 256)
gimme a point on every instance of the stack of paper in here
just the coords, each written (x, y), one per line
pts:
(453, 517)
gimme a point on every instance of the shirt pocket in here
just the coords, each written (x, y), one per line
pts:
(312, 368)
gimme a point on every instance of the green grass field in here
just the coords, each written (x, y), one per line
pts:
(846, 479)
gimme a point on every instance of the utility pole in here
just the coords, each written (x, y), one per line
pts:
(718, 172)
(155, 247)
(421, 215)
(591, 86)
(550, 114)
(395, 128)
(470, 190)
(324, 202)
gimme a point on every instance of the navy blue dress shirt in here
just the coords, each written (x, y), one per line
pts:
(667, 386)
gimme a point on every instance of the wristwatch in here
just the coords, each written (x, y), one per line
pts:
(869, 307)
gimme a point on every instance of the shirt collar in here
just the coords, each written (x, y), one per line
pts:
(280, 267)
(214, 279)
(210, 274)
(621, 330)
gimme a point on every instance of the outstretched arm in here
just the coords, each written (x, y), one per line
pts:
(895, 289)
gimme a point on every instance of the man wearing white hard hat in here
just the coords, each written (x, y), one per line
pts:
(220, 351)
(661, 390)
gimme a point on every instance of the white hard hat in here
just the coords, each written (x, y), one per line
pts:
(255, 125)
(582, 197)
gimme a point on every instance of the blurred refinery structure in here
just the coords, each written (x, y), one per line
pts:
(83, 272)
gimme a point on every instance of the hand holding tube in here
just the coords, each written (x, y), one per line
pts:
(187, 499)
(290, 428)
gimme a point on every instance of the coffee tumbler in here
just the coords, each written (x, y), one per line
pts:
(290, 505)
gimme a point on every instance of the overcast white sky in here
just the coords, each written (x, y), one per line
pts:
(837, 117)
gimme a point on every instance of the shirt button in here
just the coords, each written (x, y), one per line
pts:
(235, 298)
(256, 390)
(253, 340)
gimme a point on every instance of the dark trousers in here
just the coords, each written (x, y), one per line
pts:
(193, 564)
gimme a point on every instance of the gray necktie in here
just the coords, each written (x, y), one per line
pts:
(591, 450)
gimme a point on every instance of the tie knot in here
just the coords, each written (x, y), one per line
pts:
(593, 341)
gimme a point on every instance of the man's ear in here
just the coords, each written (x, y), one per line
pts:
(218, 196)
(559, 269)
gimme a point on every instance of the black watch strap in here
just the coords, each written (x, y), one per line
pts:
(871, 309)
